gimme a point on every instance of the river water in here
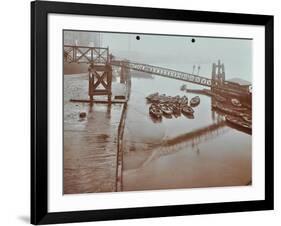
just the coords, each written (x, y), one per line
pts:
(198, 155)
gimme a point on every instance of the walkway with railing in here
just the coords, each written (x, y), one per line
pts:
(165, 72)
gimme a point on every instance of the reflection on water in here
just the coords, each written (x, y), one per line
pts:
(181, 152)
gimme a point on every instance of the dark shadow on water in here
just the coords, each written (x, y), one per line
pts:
(189, 116)
(25, 219)
(155, 120)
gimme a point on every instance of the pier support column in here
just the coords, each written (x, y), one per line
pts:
(122, 74)
(100, 80)
(214, 78)
(218, 75)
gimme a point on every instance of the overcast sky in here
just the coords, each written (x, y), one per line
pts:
(177, 52)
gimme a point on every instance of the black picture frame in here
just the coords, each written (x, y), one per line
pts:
(39, 112)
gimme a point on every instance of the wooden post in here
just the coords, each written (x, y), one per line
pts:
(223, 73)
(122, 73)
(214, 79)
(91, 82)
(109, 82)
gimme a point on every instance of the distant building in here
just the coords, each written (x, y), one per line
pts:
(82, 38)
(240, 84)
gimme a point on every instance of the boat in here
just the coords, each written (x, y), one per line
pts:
(187, 110)
(155, 111)
(152, 96)
(239, 123)
(163, 99)
(173, 100)
(240, 109)
(166, 109)
(226, 110)
(183, 100)
(195, 101)
(236, 102)
(247, 118)
(176, 109)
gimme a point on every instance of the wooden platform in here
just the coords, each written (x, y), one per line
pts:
(105, 101)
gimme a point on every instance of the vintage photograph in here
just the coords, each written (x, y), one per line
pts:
(154, 111)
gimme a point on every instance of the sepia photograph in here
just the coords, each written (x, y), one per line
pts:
(154, 111)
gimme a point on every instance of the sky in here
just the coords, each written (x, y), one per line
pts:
(175, 52)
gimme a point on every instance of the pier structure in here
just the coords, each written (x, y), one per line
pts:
(218, 74)
(229, 88)
(124, 71)
(100, 80)
(99, 70)
(100, 74)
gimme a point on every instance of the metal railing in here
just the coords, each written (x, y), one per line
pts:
(165, 72)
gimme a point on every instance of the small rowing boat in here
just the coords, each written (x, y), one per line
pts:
(166, 109)
(195, 101)
(155, 111)
(238, 122)
(152, 96)
(227, 110)
(176, 109)
(247, 118)
(187, 110)
(240, 109)
(183, 101)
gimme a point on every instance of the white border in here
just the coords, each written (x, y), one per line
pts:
(58, 202)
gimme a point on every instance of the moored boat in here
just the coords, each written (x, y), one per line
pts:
(152, 95)
(247, 118)
(236, 102)
(195, 101)
(240, 109)
(166, 109)
(176, 109)
(187, 110)
(238, 122)
(183, 100)
(227, 110)
(155, 111)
